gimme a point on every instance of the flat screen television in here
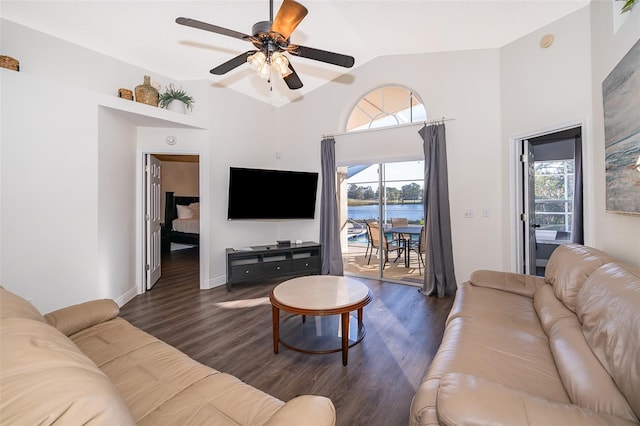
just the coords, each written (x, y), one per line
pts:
(271, 194)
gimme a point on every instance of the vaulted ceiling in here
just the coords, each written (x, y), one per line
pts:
(144, 33)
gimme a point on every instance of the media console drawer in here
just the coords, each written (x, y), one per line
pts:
(272, 261)
(246, 272)
(276, 268)
(308, 263)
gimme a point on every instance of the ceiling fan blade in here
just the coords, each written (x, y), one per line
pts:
(213, 28)
(291, 13)
(322, 55)
(232, 63)
(292, 80)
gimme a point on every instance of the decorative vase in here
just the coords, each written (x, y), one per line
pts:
(177, 106)
(146, 93)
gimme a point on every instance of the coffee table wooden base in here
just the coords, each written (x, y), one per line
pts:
(355, 294)
(319, 334)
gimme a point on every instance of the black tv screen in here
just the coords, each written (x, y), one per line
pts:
(271, 194)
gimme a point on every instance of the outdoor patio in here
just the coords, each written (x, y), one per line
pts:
(355, 263)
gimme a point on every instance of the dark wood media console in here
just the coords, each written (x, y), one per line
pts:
(272, 261)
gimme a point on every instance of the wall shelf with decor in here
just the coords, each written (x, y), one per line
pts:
(152, 116)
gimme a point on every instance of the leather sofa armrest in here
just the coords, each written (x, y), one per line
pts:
(524, 285)
(75, 318)
(465, 399)
(309, 410)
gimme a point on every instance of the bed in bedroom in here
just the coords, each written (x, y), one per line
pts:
(182, 220)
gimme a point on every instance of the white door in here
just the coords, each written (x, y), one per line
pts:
(529, 214)
(152, 220)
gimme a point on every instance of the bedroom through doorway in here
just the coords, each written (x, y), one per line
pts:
(172, 209)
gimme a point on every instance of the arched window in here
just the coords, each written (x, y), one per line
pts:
(386, 106)
(384, 193)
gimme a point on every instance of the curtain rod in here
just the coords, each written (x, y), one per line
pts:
(426, 123)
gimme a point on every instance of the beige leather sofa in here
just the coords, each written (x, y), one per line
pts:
(84, 365)
(558, 350)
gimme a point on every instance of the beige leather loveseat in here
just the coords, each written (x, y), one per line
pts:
(521, 350)
(84, 365)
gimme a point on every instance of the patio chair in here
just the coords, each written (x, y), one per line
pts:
(387, 246)
(420, 247)
(369, 239)
(400, 221)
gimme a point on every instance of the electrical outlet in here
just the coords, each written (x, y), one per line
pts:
(468, 213)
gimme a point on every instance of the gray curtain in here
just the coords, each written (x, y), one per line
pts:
(439, 275)
(577, 231)
(329, 221)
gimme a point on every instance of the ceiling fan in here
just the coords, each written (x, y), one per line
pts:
(271, 39)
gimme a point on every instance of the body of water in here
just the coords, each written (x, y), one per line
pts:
(413, 212)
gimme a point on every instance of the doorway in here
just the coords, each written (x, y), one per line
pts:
(171, 195)
(550, 194)
(375, 198)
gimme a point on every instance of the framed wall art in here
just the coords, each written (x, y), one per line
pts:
(621, 99)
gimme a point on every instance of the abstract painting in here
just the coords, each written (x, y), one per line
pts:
(621, 98)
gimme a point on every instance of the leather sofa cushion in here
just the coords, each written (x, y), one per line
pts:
(524, 285)
(46, 379)
(549, 309)
(568, 268)
(470, 400)
(162, 385)
(72, 319)
(308, 409)
(220, 399)
(14, 306)
(503, 354)
(501, 307)
(607, 306)
(110, 340)
(586, 381)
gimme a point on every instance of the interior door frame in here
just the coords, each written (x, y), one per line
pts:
(140, 219)
(516, 186)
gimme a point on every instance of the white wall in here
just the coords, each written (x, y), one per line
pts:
(459, 85)
(541, 89)
(617, 234)
(560, 84)
(88, 250)
(116, 199)
(243, 134)
(49, 192)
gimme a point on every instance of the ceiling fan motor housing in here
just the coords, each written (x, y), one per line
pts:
(261, 27)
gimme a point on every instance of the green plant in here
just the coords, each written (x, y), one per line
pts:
(628, 4)
(173, 94)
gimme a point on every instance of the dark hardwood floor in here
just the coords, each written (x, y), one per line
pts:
(231, 332)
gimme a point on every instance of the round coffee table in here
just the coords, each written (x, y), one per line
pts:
(320, 295)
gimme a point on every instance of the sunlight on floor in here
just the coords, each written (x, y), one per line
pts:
(245, 303)
(356, 263)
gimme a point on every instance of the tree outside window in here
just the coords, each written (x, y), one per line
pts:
(554, 184)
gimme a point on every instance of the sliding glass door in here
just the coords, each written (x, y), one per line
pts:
(377, 202)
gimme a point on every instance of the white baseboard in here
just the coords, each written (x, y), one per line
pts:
(127, 296)
(215, 282)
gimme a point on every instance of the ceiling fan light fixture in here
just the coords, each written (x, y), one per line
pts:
(257, 60)
(264, 71)
(281, 64)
